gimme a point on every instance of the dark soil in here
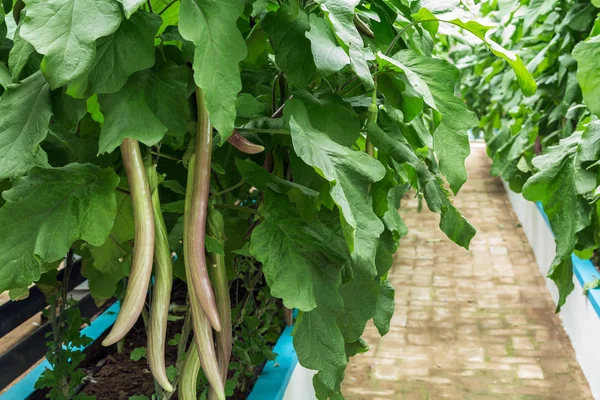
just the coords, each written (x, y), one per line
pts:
(113, 376)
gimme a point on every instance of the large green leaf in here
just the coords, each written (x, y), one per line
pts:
(65, 31)
(452, 222)
(25, 111)
(320, 345)
(559, 184)
(5, 78)
(340, 14)
(329, 56)
(151, 104)
(128, 50)
(561, 180)
(350, 173)
(110, 262)
(67, 111)
(450, 139)
(329, 113)
(287, 28)
(302, 262)
(299, 260)
(385, 307)
(131, 6)
(47, 211)
(451, 11)
(537, 9)
(358, 310)
(419, 86)
(219, 48)
(587, 55)
(19, 55)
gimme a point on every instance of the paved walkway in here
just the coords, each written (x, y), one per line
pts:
(468, 325)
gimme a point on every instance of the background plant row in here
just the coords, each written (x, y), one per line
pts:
(545, 146)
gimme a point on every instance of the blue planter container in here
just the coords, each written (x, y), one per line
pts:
(271, 383)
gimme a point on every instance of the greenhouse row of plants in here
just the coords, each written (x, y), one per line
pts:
(222, 170)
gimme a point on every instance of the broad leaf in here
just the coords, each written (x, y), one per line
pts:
(350, 173)
(450, 139)
(452, 222)
(151, 104)
(19, 55)
(128, 50)
(67, 111)
(329, 113)
(302, 262)
(329, 56)
(287, 28)
(587, 55)
(131, 6)
(298, 259)
(47, 211)
(111, 260)
(385, 308)
(319, 344)
(560, 181)
(340, 14)
(219, 48)
(450, 11)
(65, 31)
(25, 111)
(5, 78)
(416, 82)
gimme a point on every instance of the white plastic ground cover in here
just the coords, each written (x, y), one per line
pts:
(579, 315)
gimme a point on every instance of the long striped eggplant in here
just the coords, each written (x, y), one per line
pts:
(161, 292)
(218, 276)
(143, 251)
(187, 388)
(203, 336)
(197, 216)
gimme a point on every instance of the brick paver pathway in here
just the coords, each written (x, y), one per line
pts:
(468, 325)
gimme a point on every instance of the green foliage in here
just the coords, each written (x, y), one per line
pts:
(216, 59)
(65, 347)
(546, 146)
(138, 353)
(351, 114)
(47, 211)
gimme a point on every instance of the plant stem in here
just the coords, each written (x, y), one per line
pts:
(167, 7)
(165, 156)
(271, 131)
(279, 112)
(149, 6)
(237, 208)
(218, 276)
(372, 115)
(120, 346)
(237, 185)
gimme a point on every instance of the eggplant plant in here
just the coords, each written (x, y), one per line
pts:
(546, 146)
(176, 139)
